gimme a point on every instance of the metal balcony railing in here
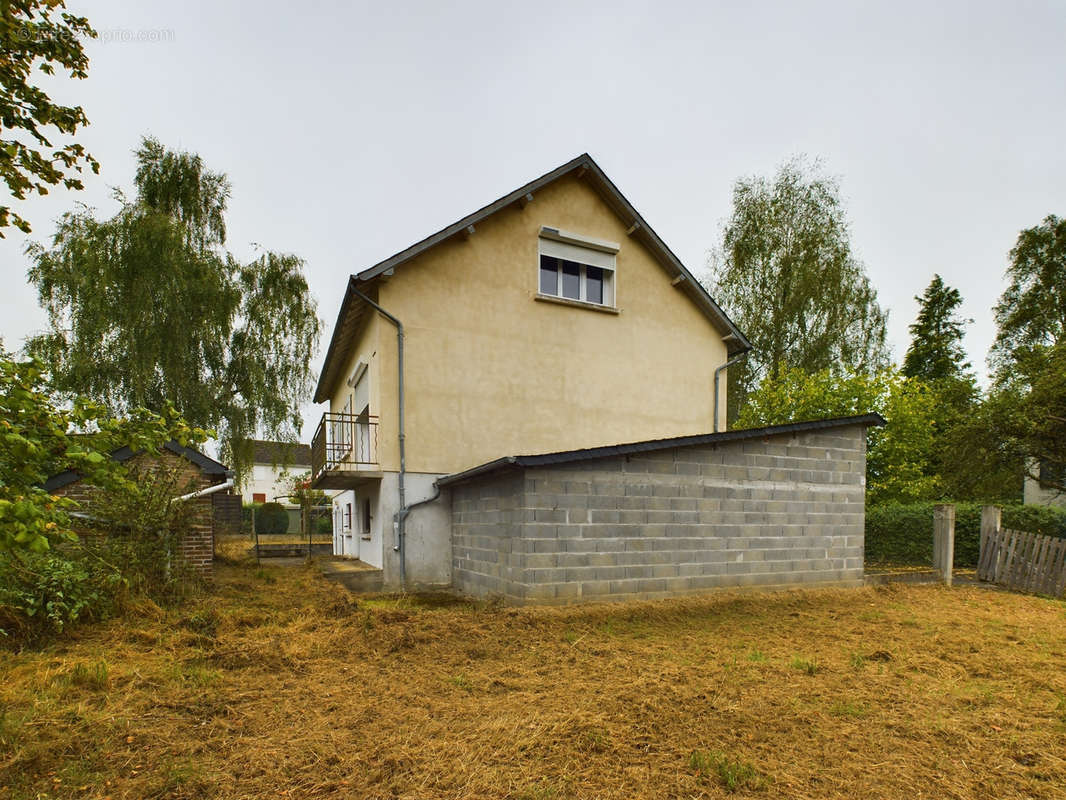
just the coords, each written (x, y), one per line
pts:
(344, 442)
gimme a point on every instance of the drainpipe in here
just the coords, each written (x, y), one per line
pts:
(717, 373)
(405, 511)
(401, 515)
(218, 487)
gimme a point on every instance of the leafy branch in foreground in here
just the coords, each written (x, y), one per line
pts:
(39, 34)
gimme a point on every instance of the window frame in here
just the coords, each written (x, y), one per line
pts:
(567, 248)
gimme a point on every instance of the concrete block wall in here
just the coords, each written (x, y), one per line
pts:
(787, 510)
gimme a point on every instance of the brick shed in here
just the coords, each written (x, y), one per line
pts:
(195, 471)
(779, 506)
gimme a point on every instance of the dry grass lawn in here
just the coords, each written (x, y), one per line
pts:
(281, 685)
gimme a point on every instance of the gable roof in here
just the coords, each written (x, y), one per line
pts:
(292, 454)
(651, 445)
(584, 166)
(207, 465)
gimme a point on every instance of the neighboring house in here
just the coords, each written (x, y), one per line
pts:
(273, 464)
(1042, 490)
(552, 320)
(214, 509)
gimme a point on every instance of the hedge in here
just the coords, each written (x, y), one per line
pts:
(272, 518)
(903, 533)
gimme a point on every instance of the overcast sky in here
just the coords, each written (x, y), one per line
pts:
(349, 131)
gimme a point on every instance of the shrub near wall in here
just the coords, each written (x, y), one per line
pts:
(903, 533)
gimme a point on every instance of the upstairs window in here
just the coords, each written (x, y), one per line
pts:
(575, 267)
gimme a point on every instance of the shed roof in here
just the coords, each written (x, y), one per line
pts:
(206, 464)
(587, 454)
(584, 166)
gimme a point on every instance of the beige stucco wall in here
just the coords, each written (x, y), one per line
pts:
(492, 372)
(1034, 493)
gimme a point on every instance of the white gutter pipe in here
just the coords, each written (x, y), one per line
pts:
(218, 487)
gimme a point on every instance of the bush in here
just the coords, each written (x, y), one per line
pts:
(902, 533)
(272, 518)
(43, 594)
(324, 525)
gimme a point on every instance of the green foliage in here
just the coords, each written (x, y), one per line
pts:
(903, 533)
(1031, 313)
(899, 454)
(272, 518)
(43, 594)
(51, 578)
(936, 352)
(804, 665)
(228, 344)
(247, 510)
(39, 438)
(1028, 413)
(787, 274)
(39, 35)
(324, 524)
(732, 773)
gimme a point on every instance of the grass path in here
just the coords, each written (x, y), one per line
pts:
(279, 684)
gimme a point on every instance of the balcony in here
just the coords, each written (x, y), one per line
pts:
(344, 451)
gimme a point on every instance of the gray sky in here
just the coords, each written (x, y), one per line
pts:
(352, 130)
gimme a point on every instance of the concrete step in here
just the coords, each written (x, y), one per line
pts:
(288, 550)
(353, 574)
(922, 576)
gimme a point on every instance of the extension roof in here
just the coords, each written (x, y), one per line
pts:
(583, 166)
(569, 456)
(207, 465)
(280, 453)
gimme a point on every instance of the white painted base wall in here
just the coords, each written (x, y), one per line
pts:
(429, 553)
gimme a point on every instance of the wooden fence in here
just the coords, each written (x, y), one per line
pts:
(1025, 562)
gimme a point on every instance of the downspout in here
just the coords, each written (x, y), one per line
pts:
(398, 519)
(717, 373)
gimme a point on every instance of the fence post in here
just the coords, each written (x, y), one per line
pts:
(990, 522)
(944, 540)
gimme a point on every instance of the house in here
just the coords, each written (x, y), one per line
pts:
(552, 321)
(207, 485)
(273, 464)
(1041, 490)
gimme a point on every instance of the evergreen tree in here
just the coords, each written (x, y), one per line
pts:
(936, 352)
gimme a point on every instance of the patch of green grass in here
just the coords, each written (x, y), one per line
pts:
(194, 673)
(462, 682)
(732, 773)
(265, 576)
(595, 740)
(804, 665)
(88, 675)
(203, 622)
(845, 708)
(757, 655)
(858, 660)
(1060, 709)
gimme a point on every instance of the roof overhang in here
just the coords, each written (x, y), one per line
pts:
(584, 167)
